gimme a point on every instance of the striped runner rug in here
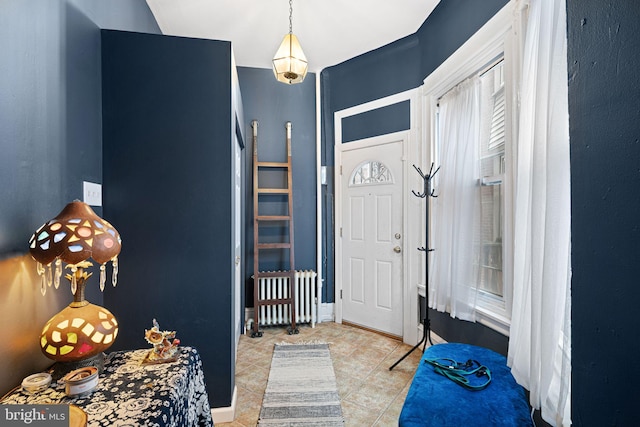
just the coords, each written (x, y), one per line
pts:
(301, 390)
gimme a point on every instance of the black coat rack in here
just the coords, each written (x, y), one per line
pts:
(427, 191)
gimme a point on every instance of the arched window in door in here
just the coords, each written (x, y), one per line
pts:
(370, 172)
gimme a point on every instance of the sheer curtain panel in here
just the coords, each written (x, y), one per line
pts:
(456, 210)
(540, 334)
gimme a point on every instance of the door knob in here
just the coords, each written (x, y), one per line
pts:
(397, 249)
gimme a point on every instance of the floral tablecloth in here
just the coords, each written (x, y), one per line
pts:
(130, 393)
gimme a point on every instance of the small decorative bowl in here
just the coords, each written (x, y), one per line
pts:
(81, 382)
(36, 383)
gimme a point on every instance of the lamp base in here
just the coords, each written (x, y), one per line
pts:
(60, 369)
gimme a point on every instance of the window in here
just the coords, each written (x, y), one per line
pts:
(371, 172)
(471, 141)
(493, 296)
(492, 169)
(487, 58)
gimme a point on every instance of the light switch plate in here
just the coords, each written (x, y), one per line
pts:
(92, 193)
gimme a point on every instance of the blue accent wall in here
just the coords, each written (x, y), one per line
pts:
(451, 24)
(168, 186)
(50, 126)
(50, 112)
(273, 104)
(604, 107)
(385, 71)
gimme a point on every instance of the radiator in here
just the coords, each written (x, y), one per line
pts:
(306, 301)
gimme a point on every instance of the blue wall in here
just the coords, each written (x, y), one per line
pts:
(50, 113)
(167, 184)
(273, 104)
(604, 108)
(451, 24)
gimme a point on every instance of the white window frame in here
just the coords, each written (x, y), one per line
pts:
(496, 38)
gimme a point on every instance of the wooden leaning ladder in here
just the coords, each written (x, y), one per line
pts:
(259, 246)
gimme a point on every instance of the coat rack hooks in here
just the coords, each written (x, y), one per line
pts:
(426, 179)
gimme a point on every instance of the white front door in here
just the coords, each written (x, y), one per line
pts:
(372, 250)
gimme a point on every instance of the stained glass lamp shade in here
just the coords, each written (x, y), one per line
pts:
(77, 234)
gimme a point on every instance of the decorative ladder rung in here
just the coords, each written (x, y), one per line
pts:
(273, 190)
(274, 301)
(274, 245)
(273, 218)
(273, 164)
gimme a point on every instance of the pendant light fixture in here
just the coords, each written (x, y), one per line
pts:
(289, 63)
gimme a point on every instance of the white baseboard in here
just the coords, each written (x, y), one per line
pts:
(325, 312)
(225, 414)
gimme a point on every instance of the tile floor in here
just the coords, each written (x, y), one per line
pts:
(371, 395)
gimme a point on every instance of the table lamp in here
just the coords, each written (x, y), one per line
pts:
(77, 335)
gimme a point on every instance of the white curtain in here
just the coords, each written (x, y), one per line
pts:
(456, 210)
(540, 334)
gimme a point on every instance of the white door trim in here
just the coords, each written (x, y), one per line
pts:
(413, 153)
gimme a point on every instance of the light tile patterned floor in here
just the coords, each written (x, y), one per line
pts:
(371, 395)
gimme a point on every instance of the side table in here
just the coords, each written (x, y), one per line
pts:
(132, 393)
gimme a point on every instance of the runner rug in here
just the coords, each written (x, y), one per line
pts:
(301, 390)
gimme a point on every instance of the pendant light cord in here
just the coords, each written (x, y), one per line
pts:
(290, 16)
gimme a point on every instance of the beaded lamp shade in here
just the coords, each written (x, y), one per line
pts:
(81, 330)
(75, 235)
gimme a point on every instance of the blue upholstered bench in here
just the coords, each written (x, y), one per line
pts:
(434, 400)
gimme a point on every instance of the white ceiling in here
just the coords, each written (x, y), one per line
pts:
(330, 31)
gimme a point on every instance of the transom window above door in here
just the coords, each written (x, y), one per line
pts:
(370, 172)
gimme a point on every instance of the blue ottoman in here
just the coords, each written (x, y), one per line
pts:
(434, 400)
